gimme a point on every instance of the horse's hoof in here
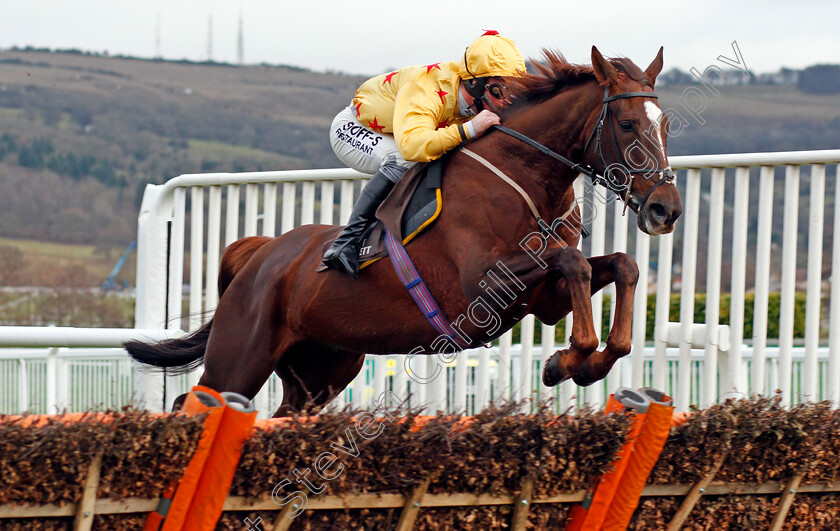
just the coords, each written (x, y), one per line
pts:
(553, 372)
(583, 378)
(595, 368)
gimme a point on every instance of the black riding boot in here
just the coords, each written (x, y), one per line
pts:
(343, 255)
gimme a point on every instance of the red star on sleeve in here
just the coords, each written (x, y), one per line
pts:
(429, 68)
(388, 77)
(441, 93)
(443, 124)
(375, 125)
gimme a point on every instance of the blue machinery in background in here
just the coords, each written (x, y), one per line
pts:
(110, 284)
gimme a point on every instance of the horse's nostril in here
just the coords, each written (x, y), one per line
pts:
(658, 213)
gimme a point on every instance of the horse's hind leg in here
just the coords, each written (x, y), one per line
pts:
(313, 375)
(240, 355)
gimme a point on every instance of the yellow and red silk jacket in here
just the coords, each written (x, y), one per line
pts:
(416, 104)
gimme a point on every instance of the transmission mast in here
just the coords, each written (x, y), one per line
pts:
(240, 43)
(210, 38)
(157, 39)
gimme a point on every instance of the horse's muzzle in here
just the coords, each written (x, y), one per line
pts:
(658, 218)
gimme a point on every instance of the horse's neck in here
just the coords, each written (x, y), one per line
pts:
(559, 123)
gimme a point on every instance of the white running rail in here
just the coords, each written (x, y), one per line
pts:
(185, 224)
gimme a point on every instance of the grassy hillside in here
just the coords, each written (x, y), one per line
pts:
(81, 135)
(752, 118)
(39, 263)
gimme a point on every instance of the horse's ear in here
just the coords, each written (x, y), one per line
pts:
(655, 67)
(604, 71)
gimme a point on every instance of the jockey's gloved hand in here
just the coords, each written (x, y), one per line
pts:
(484, 120)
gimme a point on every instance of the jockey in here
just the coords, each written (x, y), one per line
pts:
(416, 114)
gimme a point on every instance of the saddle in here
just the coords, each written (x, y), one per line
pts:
(411, 207)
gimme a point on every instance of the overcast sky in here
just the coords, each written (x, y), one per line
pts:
(369, 37)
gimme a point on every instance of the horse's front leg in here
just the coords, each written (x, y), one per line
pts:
(621, 269)
(572, 291)
(568, 275)
(553, 306)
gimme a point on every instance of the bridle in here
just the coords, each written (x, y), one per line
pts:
(666, 174)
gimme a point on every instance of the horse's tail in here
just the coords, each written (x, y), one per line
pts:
(183, 354)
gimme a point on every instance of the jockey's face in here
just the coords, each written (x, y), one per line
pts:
(495, 97)
(497, 94)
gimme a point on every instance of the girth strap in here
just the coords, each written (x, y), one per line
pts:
(410, 278)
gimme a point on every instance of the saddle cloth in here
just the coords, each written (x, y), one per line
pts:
(411, 207)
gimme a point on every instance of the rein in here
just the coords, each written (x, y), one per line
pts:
(545, 230)
(667, 175)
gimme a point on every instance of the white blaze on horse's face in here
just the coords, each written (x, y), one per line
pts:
(654, 114)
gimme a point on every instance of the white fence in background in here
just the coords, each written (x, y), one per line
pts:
(179, 250)
(56, 379)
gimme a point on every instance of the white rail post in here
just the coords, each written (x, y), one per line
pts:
(689, 269)
(546, 350)
(619, 376)
(176, 259)
(526, 357)
(269, 225)
(640, 302)
(232, 214)
(788, 296)
(400, 378)
(595, 392)
(23, 388)
(287, 216)
(663, 308)
(63, 385)
(307, 203)
(152, 276)
(482, 395)
(252, 202)
(196, 317)
(503, 393)
(731, 380)
(196, 258)
(214, 235)
(816, 215)
(834, 310)
(762, 280)
(175, 310)
(327, 203)
(52, 382)
(346, 202)
(459, 393)
(709, 391)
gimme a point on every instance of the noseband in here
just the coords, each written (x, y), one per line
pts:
(666, 174)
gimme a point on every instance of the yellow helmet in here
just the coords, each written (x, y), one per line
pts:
(491, 55)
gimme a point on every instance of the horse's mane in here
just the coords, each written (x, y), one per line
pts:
(555, 74)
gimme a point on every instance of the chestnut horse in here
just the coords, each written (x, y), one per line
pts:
(313, 329)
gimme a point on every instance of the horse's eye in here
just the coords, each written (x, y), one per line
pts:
(626, 126)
